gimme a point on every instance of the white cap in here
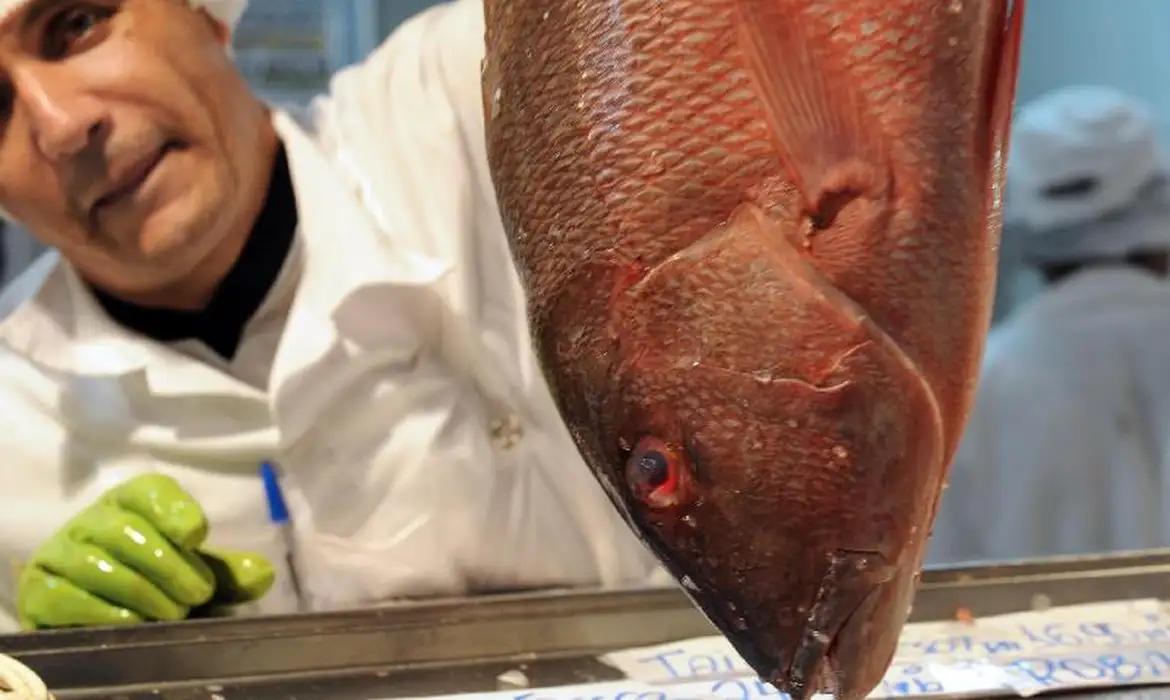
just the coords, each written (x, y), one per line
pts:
(1107, 143)
(226, 11)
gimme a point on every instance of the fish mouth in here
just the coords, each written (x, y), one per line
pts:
(835, 653)
(816, 666)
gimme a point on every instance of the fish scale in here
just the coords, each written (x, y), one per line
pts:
(757, 239)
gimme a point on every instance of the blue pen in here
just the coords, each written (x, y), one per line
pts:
(278, 514)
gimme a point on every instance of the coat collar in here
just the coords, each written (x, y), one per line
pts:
(1093, 291)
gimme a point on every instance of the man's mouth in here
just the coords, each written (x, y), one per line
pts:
(130, 179)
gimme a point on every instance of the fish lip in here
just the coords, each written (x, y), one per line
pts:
(818, 671)
(816, 662)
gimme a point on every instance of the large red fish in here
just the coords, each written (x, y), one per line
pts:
(758, 238)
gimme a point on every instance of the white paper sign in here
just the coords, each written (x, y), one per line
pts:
(1023, 654)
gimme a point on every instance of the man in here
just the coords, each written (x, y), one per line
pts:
(1066, 451)
(232, 289)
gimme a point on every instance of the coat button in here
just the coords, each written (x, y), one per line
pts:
(507, 432)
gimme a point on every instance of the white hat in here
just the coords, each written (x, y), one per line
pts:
(1085, 176)
(226, 11)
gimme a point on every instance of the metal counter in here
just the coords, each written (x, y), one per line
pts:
(463, 646)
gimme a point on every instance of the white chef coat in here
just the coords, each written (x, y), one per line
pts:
(400, 393)
(1068, 447)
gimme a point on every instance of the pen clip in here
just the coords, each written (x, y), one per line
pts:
(277, 508)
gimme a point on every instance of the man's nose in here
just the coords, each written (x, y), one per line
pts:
(63, 116)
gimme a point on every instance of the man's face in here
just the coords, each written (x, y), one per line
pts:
(128, 139)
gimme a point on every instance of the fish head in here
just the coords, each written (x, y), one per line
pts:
(766, 471)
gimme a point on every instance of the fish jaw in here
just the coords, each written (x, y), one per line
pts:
(849, 635)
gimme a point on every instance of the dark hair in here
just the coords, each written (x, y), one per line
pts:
(1156, 262)
(1073, 188)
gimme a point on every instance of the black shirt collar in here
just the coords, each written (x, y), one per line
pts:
(220, 326)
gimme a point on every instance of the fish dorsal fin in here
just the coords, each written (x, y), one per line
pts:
(812, 107)
(1005, 52)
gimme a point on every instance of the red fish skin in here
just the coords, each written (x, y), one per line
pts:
(758, 239)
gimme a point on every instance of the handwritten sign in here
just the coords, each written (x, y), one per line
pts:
(1023, 654)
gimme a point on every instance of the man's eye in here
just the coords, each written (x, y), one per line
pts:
(71, 26)
(78, 21)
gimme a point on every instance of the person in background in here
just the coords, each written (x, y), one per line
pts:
(231, 287)
(1067, 447)
(4, 234)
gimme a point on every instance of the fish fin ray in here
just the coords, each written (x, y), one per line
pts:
(814, 113)
(1006, 53)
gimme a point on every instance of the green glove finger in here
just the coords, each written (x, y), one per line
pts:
(164, 504)
(132, 541)
(241, 577)
(50, 601)
(95, 571)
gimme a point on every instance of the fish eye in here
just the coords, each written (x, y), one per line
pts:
(654, 472)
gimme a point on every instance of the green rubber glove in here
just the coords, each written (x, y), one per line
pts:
(134, 556)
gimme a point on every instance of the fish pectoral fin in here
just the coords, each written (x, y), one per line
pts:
(1005, 64)
(812, 107)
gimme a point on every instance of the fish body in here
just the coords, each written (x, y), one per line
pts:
(758, 239)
